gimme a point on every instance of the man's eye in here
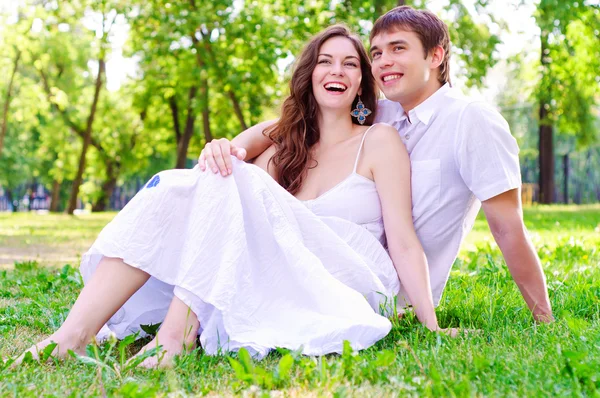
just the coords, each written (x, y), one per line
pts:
(375, 54)
(398, 48)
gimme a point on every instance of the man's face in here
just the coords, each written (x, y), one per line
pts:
(399, 66)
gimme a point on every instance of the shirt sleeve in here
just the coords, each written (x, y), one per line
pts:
(486, 152)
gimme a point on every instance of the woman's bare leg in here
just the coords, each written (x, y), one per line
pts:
(176, 335)
(113, 283)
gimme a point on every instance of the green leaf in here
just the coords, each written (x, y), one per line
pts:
(285, 365)
(28, 358)
(141, 358)
(151, 329)
(47, 352)
(385, 358)
(245, 360)
(238, 368)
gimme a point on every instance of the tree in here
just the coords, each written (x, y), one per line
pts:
(569, 84)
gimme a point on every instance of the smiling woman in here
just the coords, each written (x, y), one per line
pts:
(333, 67)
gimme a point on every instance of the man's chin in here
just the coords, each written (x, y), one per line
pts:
(394, 95)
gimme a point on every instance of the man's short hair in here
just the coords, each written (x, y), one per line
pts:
(430, 29)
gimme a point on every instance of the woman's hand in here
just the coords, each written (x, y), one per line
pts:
(216, 155)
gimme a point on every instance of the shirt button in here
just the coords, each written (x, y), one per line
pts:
(407, 136)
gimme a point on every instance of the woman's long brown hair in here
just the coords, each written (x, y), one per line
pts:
(298, 128)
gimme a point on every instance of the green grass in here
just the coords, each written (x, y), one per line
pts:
(511, 356)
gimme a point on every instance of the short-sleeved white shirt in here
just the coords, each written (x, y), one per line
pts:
(462, 153)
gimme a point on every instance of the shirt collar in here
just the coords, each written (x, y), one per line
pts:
(425, 110)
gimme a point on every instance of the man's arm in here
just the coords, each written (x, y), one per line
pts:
(247, 145)
(505, 218)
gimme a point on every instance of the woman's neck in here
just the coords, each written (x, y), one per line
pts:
(334, 127)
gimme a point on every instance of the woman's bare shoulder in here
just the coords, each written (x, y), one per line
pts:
(384, 136)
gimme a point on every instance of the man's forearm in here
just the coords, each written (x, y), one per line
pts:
(526, 270)
(253, 139)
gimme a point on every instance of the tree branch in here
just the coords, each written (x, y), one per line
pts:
(8, 99)
(175, 114)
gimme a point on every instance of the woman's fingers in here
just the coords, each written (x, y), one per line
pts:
(210, 157)
(216, 156)
(202, 161)
(223, 157)
(239, 153)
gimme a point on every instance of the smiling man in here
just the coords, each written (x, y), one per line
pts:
(463, 156)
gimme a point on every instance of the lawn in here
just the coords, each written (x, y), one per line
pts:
(510, 356)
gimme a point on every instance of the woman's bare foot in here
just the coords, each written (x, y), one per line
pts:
(168, 345)
(177, 335)
(65, 342)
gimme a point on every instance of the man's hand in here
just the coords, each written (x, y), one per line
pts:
(216, 155)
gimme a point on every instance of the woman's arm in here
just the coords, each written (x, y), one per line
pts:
(250, 143)
(264, 161)
(390, 165)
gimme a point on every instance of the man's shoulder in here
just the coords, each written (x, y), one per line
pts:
(471, 104)
(455, 100)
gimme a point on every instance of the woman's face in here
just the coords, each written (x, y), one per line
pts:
(337, 76)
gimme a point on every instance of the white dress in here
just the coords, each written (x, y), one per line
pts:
(260, 268)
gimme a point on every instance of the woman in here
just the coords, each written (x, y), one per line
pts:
(245, 262)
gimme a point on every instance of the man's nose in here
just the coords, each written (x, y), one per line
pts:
(385, 60)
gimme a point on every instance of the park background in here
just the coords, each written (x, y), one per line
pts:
(97, 96)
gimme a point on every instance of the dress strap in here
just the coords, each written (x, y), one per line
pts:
(360, 148)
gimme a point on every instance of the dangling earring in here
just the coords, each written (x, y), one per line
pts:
(361, 112)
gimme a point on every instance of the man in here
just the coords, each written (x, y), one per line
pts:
(462, 154)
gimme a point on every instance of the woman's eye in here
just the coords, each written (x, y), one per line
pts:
(324, 61)
(352, 64)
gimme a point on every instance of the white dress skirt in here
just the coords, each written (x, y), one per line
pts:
(258, 268)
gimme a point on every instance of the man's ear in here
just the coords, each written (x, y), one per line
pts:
(437, 56)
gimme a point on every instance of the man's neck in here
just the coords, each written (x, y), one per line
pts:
(421, 96)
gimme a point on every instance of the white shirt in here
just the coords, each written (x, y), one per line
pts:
(461, 153)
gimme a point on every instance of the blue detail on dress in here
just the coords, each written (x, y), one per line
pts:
(153, 182)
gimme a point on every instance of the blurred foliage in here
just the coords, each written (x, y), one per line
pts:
(202, 70)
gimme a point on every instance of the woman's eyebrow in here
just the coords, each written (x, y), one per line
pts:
(331, 56)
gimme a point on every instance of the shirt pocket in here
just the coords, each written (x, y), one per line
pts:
(425, 186)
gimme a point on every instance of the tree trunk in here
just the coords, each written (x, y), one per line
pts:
(566, 178)
(7, 101)
(546, 161)
(188, 132)
(55, 196)
(175, 116)
(108, 187)
(238, 110)
(86, 140)
(401, 3)
(206, 113)
(546, 144)
(9, 198)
